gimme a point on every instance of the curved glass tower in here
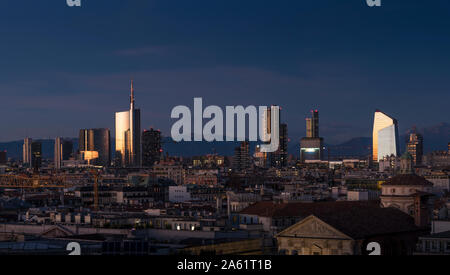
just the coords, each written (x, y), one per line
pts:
(385, 136)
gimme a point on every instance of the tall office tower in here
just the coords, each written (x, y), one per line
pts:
(241, 159)
(385, 136)
(63, 151)
(36, 155)
(315, 123)
(67, 149)
(267, 121)
(284, 141)
(94, 145)
(311, 146)
(415, 147)
(128, 136)
(58, 153)
(278, 158)
(151, 147)
(3, 157)
(309, 127)
(27, 152)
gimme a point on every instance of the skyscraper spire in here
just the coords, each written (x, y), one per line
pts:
(132, 94)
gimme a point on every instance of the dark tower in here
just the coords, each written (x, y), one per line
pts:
(151, 147)
(315, 123)
(414, 147)
(36, 155)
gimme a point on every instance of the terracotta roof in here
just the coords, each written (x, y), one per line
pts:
(408, 179)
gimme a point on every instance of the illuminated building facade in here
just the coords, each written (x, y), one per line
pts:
(95, 140)
(241, 159)
(311, 146)
(415, 147)
(58, 153)
(128, 136)
(385, 136)
(27, 151)
(63, 151)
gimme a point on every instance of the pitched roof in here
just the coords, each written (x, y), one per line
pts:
(408, 179)
(355, 219)
(298, 209)
(362, 222)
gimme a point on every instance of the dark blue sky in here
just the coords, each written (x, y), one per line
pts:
(62, 69)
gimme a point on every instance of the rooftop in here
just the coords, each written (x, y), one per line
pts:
(408, 179)
(355, 219)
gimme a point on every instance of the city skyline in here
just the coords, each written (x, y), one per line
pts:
(284, 56)
(224, 135)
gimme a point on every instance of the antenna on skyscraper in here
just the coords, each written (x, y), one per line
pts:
(132, 93)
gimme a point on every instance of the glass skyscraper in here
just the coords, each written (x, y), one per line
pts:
(415, 147)
(27, 152)
(128, 136)
(311, 146)
(63, 151)
(385, 136)
(58, 153)
(95, 140)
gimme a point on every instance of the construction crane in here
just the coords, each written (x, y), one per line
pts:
(35, 181)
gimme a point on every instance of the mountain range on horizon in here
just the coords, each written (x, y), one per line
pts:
(435, 138)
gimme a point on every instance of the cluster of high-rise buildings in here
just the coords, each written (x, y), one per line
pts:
(258, 202)
(133, 148)
(136, 148)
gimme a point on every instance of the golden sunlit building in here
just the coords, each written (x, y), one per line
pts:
(385, 136)
(128, 136)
